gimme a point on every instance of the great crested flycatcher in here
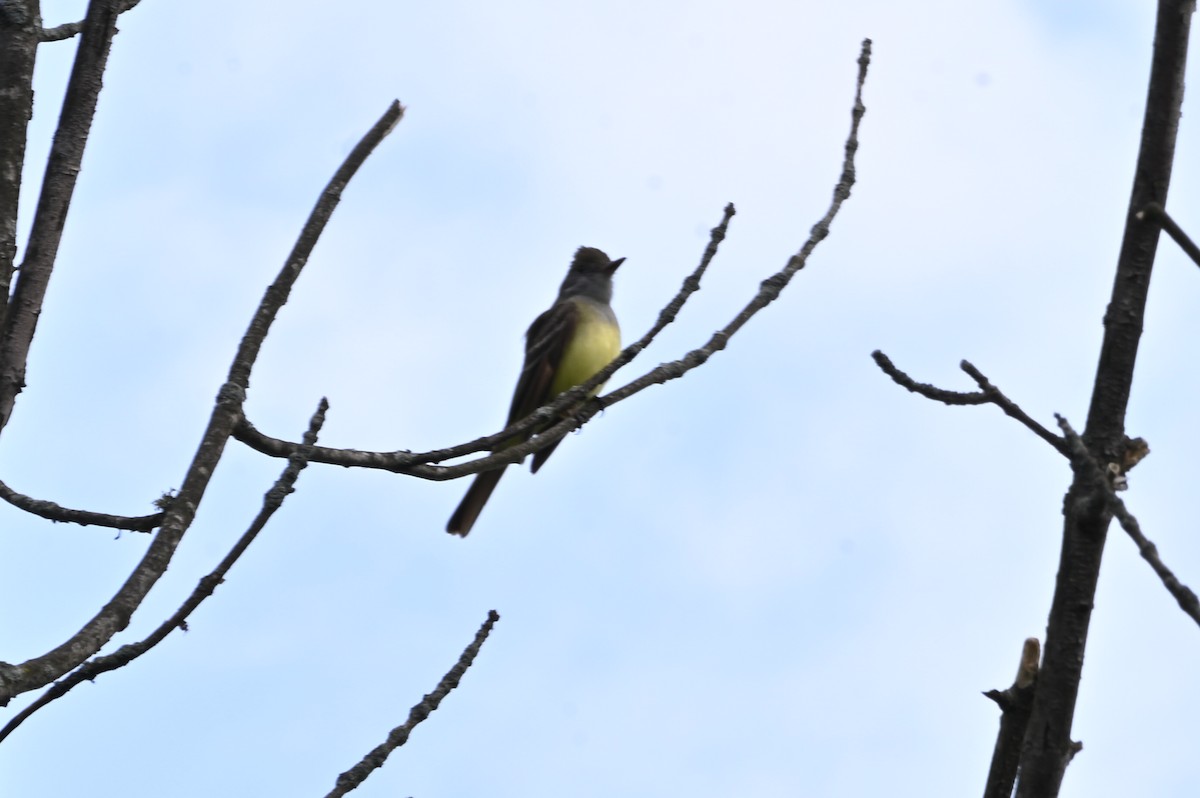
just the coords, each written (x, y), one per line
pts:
(564, 347)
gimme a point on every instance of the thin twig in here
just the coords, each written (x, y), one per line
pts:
(69, 29)
(115, 615)
(772, 286)
(277, 293)
(55, 512)
(272, 501)
(399, 735)
(988, 395)
(1158, 214)
(1012, 410)
(1187, 600)
(691, 284)
(925, 389)
(420, 464)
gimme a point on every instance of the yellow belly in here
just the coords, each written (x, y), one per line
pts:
(597, 341)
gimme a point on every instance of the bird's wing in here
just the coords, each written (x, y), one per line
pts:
(545, 343)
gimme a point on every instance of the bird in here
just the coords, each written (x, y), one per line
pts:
(564, 347)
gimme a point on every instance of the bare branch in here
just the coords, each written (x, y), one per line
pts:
(691, 284)
(58, 186)
(1015, 705)
(54, 512)
(768, 293)
(1188, 601)
(924, 389)
(1157, 214)
(419, 465)
(1011, 409)
(69, 29)
(115, 615)
(773, 285)
(277, 294)
(356, 775)
(989, 394)
(272, 501)
(18, 52)
(416, 464)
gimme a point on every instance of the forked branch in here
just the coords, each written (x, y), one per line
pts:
(272, 501)
(987, 394)
(1015, 704)
(1156, 214)
(1084, 461)
(114, 616)
(424, 464)
(69, 29)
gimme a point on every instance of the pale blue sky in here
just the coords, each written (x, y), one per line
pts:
(782, 575)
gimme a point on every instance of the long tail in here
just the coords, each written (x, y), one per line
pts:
(471, 505)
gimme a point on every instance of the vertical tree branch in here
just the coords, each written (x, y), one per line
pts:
(1015, 704)
(19, 28)
(62, 169)
(1048, 747)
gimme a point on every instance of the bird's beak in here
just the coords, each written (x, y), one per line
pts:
(612, 267)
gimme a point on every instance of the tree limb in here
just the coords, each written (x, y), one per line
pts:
(69, 29)
(1015, 704)
(54, 512)
(989, 394)
(18, 52)
(1188, 602)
